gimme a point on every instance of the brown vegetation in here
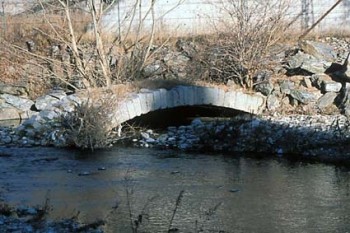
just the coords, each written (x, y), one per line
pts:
(89, 126)
(245, 39)
(62, 45)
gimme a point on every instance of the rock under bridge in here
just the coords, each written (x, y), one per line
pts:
(147, 101)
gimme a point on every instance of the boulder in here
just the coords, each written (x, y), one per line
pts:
(145, 135)
(9, 113)
(303, 96)
(308, 63)
(45, 101)
(59, 94)
(153, 69)
(326, 100)
(20, 103)
(315, 66)
(13, 90)
(318, 80)
(177, 62)
(66, 104)
(331, 86)
(319, 50)
(286, 86)
(272, 103)
(49, 114)
(265, 88)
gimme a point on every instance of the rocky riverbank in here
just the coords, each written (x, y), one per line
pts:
(323, 137)
(33, 219)
(306, 111)
(306, 116)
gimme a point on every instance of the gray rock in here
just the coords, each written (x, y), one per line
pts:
(6, 139)
(308, 63)
(197, 122)
(188, 48)
(264, 88)
(307, 82)
(44, 102)
(30, 121)
(331, 86)
(65, 105)
(326, 100)
(286, 87)
(150, 140)
(347, 111)
(9, 113)
(162, 138)
(177, 63)
(318, 80)
(152, 70)
(18, 102)
(49, 114)
(315, 66)
(302, 96)
(295, 62)
(273, 103)
(28, 114)
(59, 94)
(13, 90)
(75, 99)
(145, 135)
(319, 50)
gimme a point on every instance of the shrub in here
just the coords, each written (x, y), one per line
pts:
(245, 34)
(64, 45)
(89, 126)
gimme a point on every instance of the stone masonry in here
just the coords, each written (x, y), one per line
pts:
(151, 100)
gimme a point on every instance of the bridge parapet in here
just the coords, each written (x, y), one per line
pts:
(151, 100)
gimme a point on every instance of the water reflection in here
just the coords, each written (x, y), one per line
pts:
(221, 193)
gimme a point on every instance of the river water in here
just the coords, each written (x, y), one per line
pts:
(189, 192)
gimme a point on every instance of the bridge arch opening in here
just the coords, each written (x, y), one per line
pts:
(183, 115)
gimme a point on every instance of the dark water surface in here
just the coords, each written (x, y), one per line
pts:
(228, 193)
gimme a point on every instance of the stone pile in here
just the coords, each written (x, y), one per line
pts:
(294, 134)
(317, 83)
(42, 126)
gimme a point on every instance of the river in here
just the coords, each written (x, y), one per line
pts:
(199, 192)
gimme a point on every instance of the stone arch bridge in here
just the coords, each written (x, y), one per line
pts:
(152, 100)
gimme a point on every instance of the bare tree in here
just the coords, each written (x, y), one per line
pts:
(244, 35)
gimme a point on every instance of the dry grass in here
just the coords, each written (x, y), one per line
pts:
(221, 56)
(244, 39)
(56, 48)
(26, 45)
(89, 126)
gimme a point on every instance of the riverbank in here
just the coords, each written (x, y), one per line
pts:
(304, 110)
(323, 138)
(319, 137)
(32, 219)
